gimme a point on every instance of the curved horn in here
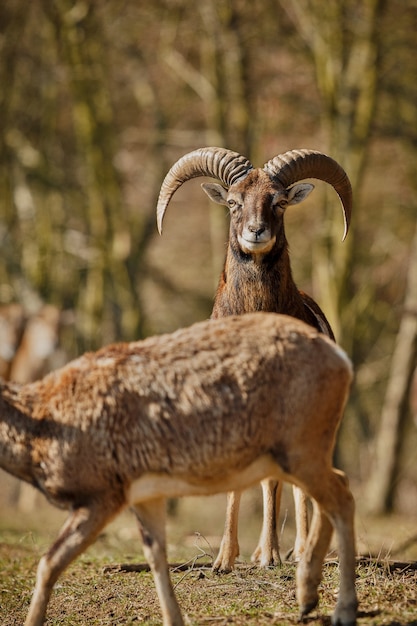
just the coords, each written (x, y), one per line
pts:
(225, 165)
(292, 166)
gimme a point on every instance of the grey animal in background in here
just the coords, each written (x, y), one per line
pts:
(257, 277)
(214, 407)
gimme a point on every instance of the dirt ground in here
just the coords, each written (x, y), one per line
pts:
(93, 591)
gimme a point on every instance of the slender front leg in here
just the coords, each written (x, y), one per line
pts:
(229, 546)
(301, 522)
(266, 553)
(78, 532)
(151, 517)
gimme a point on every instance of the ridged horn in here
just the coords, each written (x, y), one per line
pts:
(295, 165)
(225, 165)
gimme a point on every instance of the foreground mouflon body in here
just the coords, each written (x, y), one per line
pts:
(215, 407)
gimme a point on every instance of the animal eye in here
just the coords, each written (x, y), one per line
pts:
(279, 206)
(233, 205)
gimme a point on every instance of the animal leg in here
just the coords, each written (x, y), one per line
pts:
(301, 522)
(309, 569)
(343, 521)
(79, 531)
(336, 510)
(266, 553)
(229, 546)
(151, 517)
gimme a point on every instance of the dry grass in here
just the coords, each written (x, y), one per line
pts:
(90, 592)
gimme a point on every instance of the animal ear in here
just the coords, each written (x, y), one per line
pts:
(215, 192)
(298, 193)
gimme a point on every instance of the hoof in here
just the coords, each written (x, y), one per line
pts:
(225, 559)
(263, 560)
(336, 621)
(222, 570)
(305, 609)
(221, 567)
(294, 555)
(345, 616)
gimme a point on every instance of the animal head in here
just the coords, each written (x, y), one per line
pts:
(256, 206)
(257, 197)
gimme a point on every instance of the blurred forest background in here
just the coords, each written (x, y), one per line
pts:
(99, 98)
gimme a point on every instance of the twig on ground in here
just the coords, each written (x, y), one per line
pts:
(387, 564)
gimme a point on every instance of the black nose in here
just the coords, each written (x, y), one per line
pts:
(256, 230)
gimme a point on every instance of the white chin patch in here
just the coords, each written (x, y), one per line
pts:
(256, 247)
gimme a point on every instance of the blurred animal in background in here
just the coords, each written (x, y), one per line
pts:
(210, 408)
(257, 276)
(29, 348)
(12, 319)
(29, 341)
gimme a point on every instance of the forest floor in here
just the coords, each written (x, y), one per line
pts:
(94, 591)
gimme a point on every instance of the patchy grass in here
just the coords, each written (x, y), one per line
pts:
(387, 597)
(92, 592)
(85, 594)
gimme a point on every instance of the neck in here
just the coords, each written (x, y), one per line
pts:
(257, 283)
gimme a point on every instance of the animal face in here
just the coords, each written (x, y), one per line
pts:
(257, 205)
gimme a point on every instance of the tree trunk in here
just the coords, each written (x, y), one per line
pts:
(108, 306)
(381, 486)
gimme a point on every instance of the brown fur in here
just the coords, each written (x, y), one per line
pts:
(214, 407)
(261, 281)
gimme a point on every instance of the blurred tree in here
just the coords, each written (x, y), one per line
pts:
(344, 43)
(14, 24)
(223, 84)
(398, 119)
(107, 286)
(389, 439)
